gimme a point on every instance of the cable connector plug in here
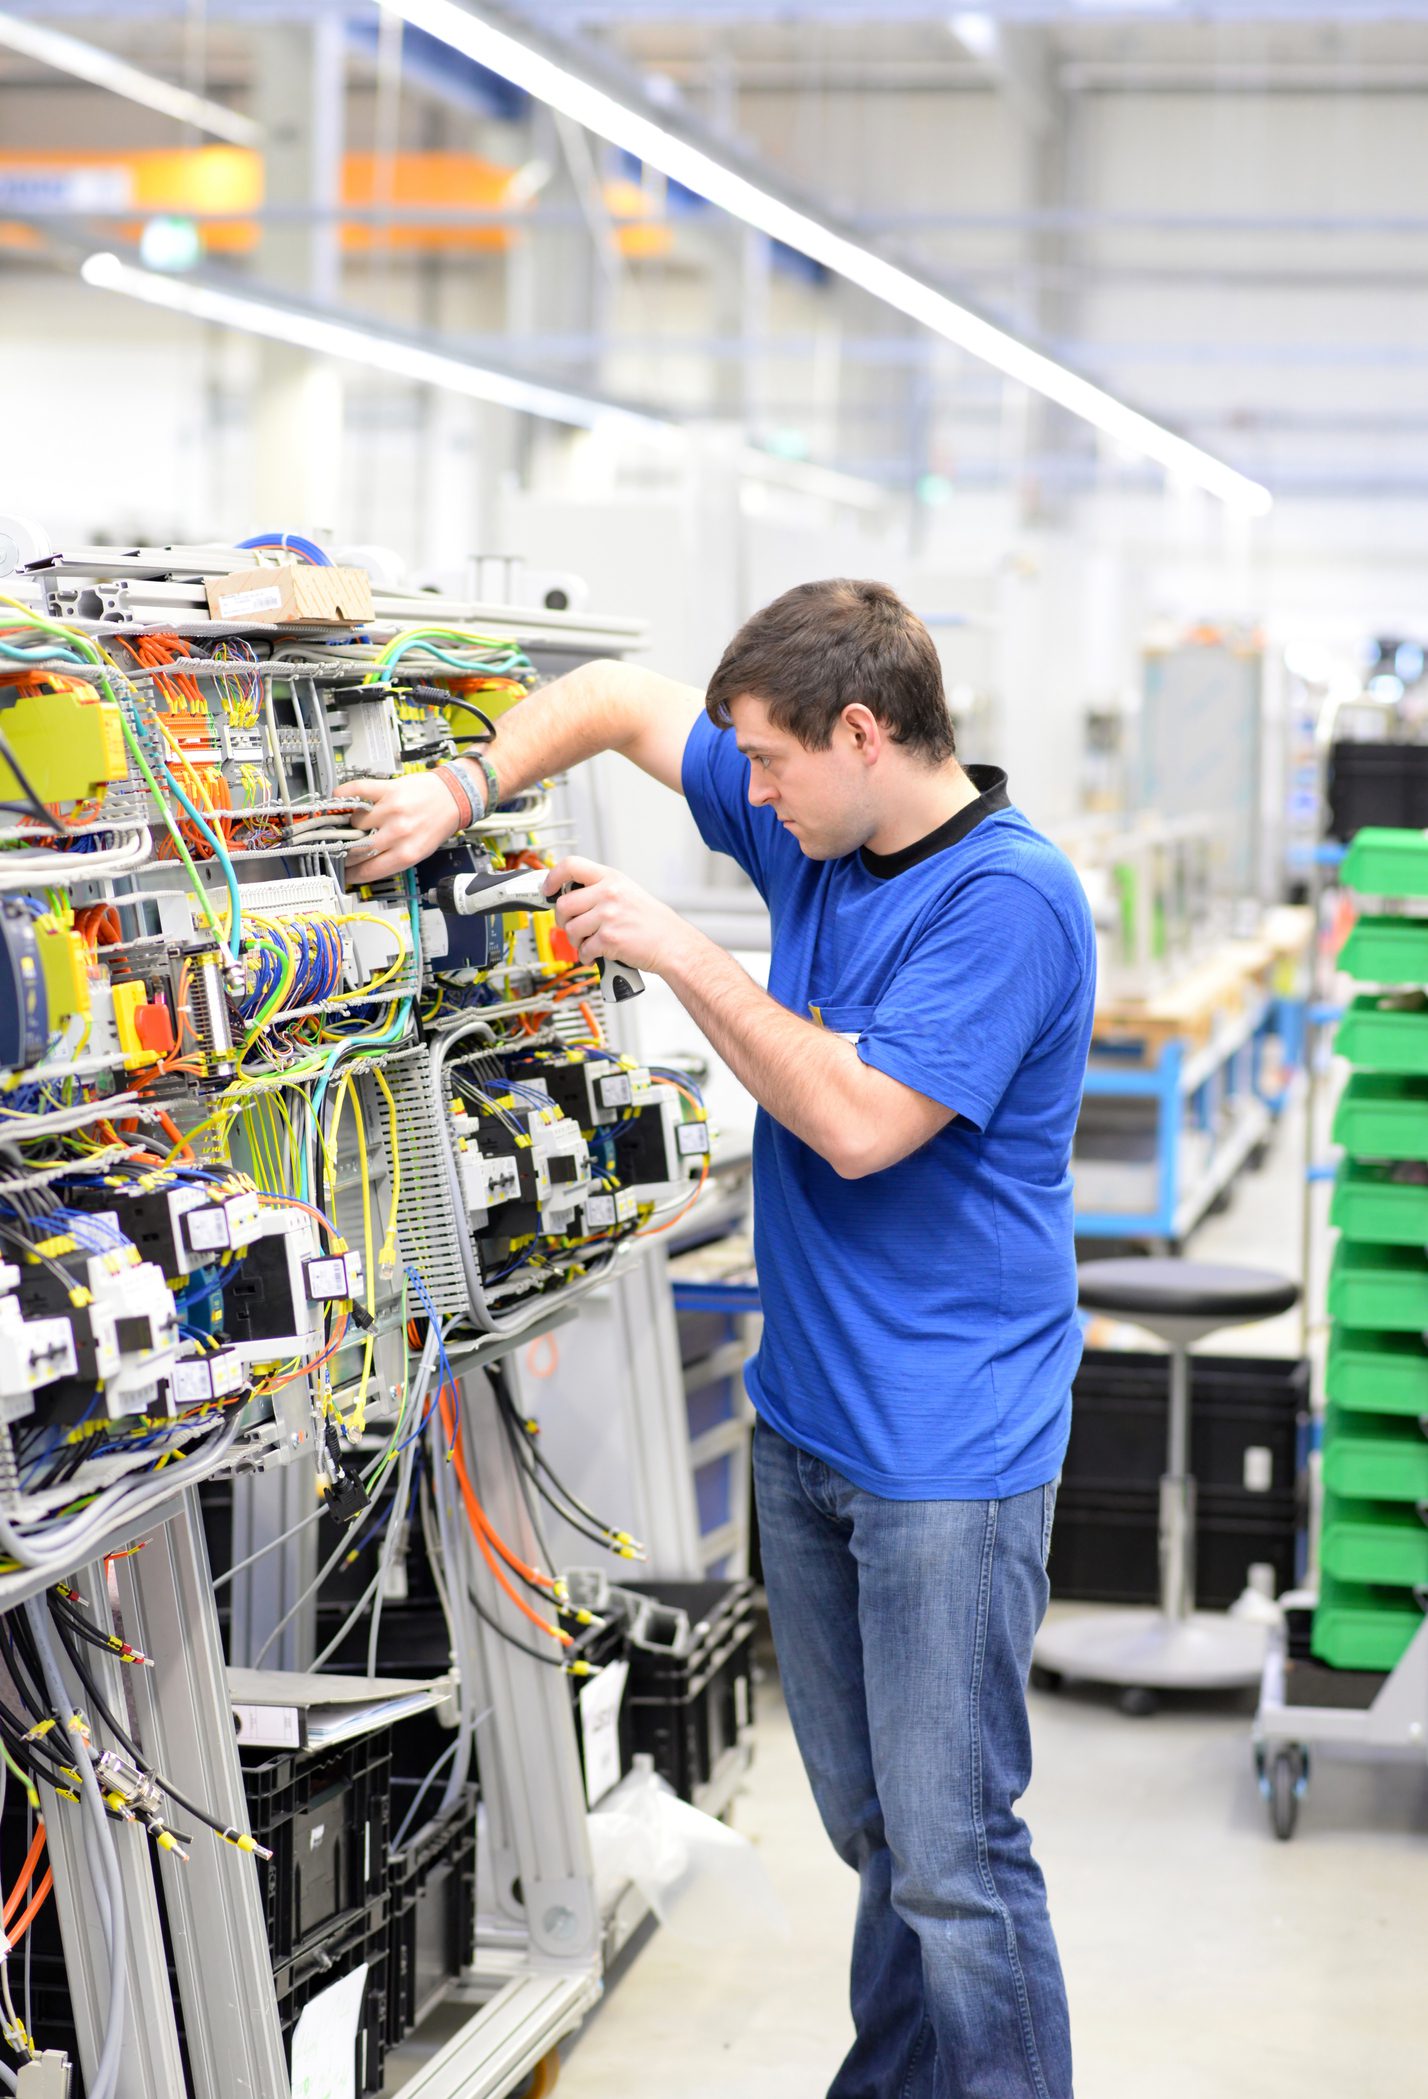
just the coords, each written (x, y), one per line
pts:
(242, 1841)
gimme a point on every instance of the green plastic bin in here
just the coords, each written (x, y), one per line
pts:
(1386, 1031)
(1382, 950)
(1383, 862)
(1356, 1627)
(1374, 1457)
(1379, 1286)
(1377, 1373)
(1380, 1116)
(1380, 1204)
(1371, 1541)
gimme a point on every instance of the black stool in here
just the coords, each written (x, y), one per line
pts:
(1175, 1647)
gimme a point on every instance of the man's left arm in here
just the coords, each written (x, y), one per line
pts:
(859, 1119)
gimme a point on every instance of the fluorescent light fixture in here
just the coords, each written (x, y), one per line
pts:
(803, 477)
(359, 342)
(102, 69)
(723, 185)
(976, 32)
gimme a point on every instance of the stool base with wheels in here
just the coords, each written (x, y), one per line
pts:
(1174, 1647)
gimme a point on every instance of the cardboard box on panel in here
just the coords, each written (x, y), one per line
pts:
(337, 596)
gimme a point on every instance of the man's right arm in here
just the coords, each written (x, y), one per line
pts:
(599, 707)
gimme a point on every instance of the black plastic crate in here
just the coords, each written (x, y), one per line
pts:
(1105, 1546)
(413, 1639)
(432, 1896)
(353, 1940)
(324, 1814)
(1244, 1421)
(687, 1708)
(358, 1937)
(1377, 783)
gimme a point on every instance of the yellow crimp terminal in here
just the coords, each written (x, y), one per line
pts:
(244, 1842)
(41, 1727)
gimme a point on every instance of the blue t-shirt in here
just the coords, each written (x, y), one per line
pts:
(920, 1328)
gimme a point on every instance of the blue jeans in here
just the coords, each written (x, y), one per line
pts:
(904, 1632)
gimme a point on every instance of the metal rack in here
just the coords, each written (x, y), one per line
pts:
(537, 1963)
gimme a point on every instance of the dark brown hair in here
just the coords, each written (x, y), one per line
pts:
(823, 646)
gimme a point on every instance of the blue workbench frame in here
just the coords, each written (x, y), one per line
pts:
(1205, 1081)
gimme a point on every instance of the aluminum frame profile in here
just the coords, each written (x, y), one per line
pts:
(150, 2063)
(185, 1726)
(535, 1796)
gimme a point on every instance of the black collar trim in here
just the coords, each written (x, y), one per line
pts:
(992, 783)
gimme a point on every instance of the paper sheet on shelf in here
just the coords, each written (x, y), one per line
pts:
(324, 2063)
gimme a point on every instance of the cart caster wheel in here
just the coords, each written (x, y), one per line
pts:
(1045, 1679)
(1138, 1702)
(1288, 1781)
(544, 2077)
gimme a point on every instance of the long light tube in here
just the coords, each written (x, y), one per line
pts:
(66, 54)
(723, 185)
(358, 342)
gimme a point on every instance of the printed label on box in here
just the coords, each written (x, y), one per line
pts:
(242, 604)
(208, 1229)
(327, 1277)
(600, 1729)
(191, 1384)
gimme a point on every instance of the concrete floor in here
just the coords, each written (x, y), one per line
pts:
(1204, 1960)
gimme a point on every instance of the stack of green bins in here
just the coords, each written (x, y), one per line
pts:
(1374, 1543)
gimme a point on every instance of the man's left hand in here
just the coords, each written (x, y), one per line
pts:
(608, 914)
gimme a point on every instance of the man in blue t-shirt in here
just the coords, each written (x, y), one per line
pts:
(918, 1060)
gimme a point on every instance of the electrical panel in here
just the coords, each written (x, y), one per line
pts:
(265, 1124)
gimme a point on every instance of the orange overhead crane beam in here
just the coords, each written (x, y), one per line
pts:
(189, 182)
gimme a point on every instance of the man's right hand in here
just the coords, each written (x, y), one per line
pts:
(409, 818)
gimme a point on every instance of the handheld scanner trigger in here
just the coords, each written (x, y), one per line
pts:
(473, 895)
(618, 980)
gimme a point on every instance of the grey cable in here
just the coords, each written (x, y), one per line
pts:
(403, 1484)
(221, 1580)
(108, 1886)
(425, 1367)
(79, 1535)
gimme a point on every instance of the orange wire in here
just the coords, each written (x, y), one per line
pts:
(33, 1911)
(171, 1129)
(653, 1231)
(484, 1531)
(277, 1384)
(31, 1860)
(293, 1202)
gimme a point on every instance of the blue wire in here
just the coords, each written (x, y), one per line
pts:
(220, 854)
(281, 542)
